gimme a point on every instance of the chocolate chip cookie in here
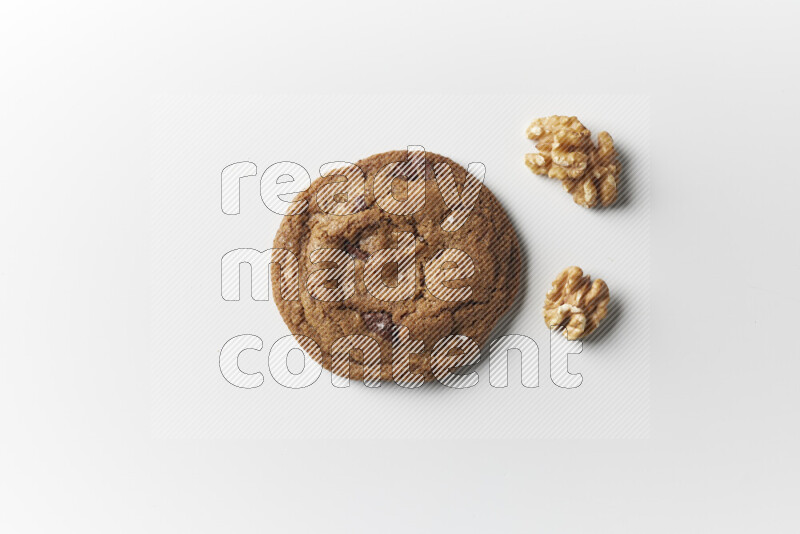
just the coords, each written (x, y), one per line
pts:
(385, 204)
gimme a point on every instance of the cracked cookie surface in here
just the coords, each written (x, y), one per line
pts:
(487, 237)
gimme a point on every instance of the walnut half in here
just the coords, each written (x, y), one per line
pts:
(566, 152)
(575, 302)
(564, 146)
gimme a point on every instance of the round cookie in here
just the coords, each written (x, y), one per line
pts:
(487, 237)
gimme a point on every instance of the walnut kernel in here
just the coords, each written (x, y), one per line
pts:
(566, 152)
(575, 302)
(563, 144)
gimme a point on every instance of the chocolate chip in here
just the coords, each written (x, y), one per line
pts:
(354, 251)
(379, 323)
(361, 204)
(427, 173)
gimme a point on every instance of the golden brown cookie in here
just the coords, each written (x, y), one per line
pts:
(412, 309)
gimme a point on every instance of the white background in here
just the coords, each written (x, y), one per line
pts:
(78, 451)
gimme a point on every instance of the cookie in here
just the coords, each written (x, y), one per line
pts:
(343, 219)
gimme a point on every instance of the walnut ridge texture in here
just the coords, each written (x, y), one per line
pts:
(576, 303)
(566, 152)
